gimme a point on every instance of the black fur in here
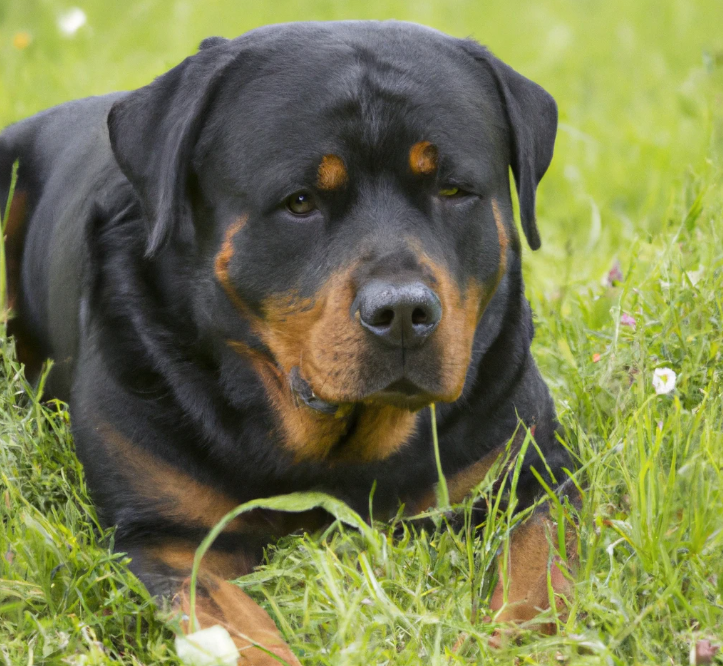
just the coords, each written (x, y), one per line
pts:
(129, 197)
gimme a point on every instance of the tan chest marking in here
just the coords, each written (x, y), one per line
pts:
(173, 493)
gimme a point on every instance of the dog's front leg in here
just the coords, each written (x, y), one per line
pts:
(535, 571)
(166, 569)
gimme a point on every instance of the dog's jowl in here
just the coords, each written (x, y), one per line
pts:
(254, 275)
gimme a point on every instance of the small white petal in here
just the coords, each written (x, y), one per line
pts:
(664, 380)
(207, 647)
(696, 276)
(71, 21)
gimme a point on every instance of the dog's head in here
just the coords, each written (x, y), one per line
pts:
(345, 187)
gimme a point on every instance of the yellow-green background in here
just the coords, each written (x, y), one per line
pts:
(632, 80)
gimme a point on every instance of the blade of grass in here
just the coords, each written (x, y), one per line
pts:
(441, 490)
(293, 503)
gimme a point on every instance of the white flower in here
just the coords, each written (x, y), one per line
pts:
(71, 21)
(696, 276)
(663, 380)
(208, 647)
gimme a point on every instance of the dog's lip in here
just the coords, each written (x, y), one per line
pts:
(402, 387)
(304, 393)
(402, 393)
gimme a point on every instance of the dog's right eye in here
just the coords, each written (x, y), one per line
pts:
(301, 203)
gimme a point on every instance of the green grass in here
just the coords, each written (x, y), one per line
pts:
(636, 178)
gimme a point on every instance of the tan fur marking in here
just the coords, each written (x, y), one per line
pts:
(175, 495)
(381, 429)
(178, 555)
(224, 604)
(502, 238)
(333, 356)
(455, 333)
(317, 336)
(218, 602)
(461, 312)
(529, 550)
(461, 483)
(331, 352)
(310, 333)
(423, 158)
(332, 173)
(223, 259)
(307, 433)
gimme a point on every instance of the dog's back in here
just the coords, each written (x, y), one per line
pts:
(64, 168)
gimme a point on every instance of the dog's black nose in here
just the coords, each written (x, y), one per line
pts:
(400, 314)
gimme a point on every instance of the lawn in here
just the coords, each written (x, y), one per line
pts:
(635, 193)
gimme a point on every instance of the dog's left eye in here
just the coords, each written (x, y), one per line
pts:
(301, 203)
(450, 191)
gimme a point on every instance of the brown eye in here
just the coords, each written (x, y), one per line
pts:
(301, 203)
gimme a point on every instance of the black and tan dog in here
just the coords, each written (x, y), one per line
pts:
(255, 272)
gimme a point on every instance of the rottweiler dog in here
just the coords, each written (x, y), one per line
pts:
(255, 272)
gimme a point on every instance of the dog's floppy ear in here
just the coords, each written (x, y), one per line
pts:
(532, 115)
(153, 131)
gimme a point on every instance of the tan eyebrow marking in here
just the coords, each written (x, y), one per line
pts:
(423, 158)
(332, 173)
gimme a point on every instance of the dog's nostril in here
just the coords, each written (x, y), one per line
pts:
(419, 316)
(384, 318)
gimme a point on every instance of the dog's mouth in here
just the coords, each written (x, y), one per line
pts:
(402, 393)
(304, 394)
